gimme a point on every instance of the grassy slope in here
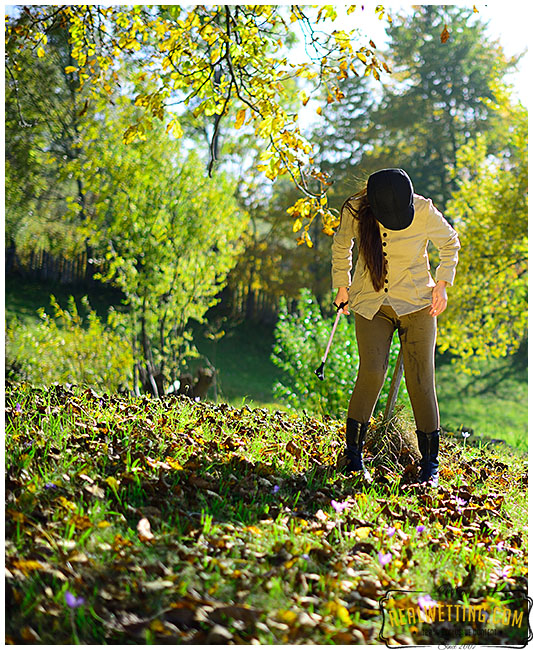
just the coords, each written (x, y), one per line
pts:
(246, 373)
(494, 404)
(244, 544)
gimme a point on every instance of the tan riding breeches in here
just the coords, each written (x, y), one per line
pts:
(418, 335)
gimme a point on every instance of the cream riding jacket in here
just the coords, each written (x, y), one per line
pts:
(408, 283)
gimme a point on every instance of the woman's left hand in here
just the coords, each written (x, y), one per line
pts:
(440, 299)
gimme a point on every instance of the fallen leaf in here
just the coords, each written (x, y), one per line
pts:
(112, 482)
(235, 612)
(338, 610)
(363, 532)
(27, 565)
(367, 586)
(95, 491)
(253, 529)
(144, 530)
(363, 547)
(29, 635)
(287, 616)
(80, 558)
(174, 464)
(293, 449)
(219, 635)
(157, 585)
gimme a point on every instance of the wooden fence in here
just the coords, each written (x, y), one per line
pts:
(237, 301)
(41, 265)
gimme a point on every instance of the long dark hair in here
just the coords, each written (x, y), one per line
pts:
(370, 246)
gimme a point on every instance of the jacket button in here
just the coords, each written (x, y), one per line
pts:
(386, 290)
(384, 243)
(384, 234)
(385, 254)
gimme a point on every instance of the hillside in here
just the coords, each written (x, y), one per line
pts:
(146, 521)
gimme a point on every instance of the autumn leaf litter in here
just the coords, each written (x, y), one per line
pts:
(170, 521)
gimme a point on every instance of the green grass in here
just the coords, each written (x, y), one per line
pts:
(494, 403)
(244, 544)
(246, 373)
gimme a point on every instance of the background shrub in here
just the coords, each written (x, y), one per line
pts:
(68, 348)
(300, 341)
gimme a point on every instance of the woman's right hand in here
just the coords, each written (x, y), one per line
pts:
(342, 296)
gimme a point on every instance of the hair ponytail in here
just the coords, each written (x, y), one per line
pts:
(370, 246)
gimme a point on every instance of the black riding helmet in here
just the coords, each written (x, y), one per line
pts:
(390, 194)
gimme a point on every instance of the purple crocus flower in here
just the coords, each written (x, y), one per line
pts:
(72, 601)
(461, 503)
(384, 558)
(499, 546)
(390, 531)
(50, 486)
(426, 602)
(503, 573)
(420, 528)
(18, 408)
(338, 506)
(275, 489)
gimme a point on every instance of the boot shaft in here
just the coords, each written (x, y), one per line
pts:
(428, 445)
(355, 439)
(355, 433)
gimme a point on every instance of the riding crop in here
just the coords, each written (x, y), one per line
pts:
(319, 372)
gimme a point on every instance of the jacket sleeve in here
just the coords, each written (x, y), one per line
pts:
(341, 251)
(446, 240)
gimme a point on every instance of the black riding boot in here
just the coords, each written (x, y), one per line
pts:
(355, 439)
(428, 444)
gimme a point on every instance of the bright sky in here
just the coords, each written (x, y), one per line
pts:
(512, 27)
(508, 22)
